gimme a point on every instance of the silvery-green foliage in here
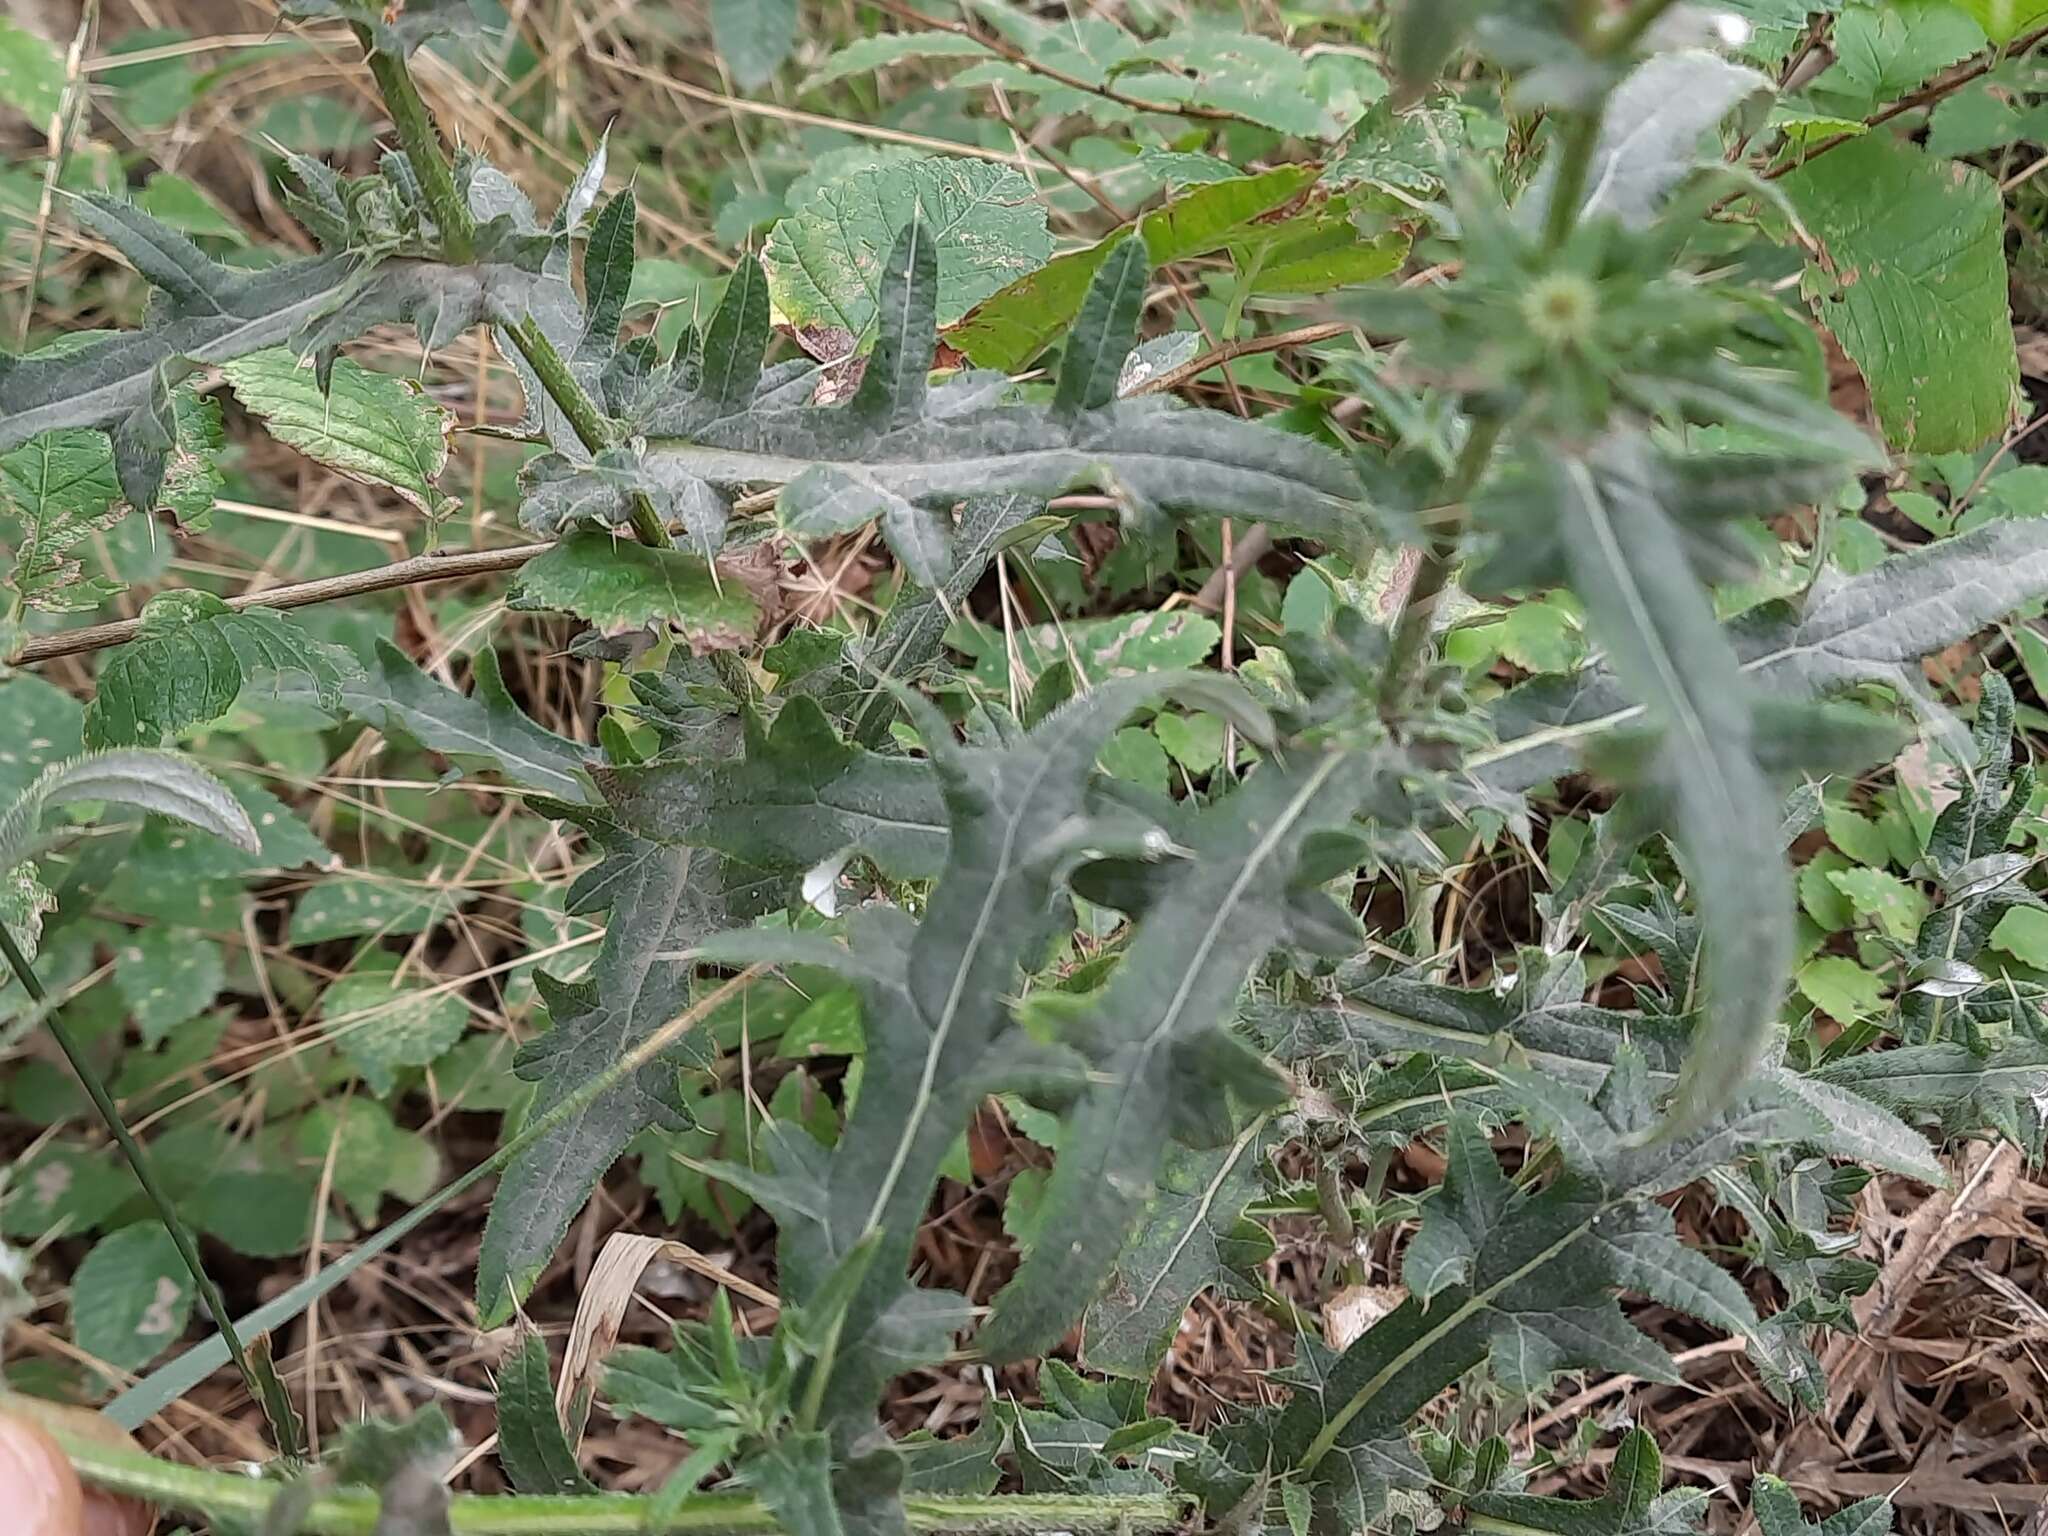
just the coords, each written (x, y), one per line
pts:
(903, 452)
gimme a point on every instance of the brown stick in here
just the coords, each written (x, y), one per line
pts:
(1230, 351)
(1947, 85)
(402, 573)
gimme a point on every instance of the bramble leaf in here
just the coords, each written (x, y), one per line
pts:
(1912, 281)
(193, 657)
(372, 427)
(826, 262)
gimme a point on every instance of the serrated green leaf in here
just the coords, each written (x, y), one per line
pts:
(825, 262)
(1913, 286)
(535, 1452)
(619, 584)
(63, 1187)
(371, 427)
(1882, 52)
(131, 1297)
(193, 657)
(60, 489)
(31, 74)
(1841, 988)
(2002, 21)
(885, 48)
(349, 906)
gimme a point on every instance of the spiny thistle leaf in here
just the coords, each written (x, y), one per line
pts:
(535, 1452)
(904, 453)
(1156, 1042)
(639, 982)
(160, 782)
(395, 695)
(935, 997)
(1847, 630)
(1194, 1234)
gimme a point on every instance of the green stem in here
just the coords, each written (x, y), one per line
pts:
(422, 144)
(1418, 614)
(1568, 192)
(591, 424)
(265, 1389)
(199, 1491)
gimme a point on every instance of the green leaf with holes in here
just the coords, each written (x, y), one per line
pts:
(372, 427)
(1912, 280)
(385, 1019)
(825, 262)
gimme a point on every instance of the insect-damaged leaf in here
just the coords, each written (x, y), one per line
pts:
(1914, 287)
(826, 261)
(371, 426)
(192, 659)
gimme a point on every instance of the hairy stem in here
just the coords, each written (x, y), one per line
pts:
(1418, 614)
(199, 1491)
(422, 145)
(263, 1385)
(552, 369)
